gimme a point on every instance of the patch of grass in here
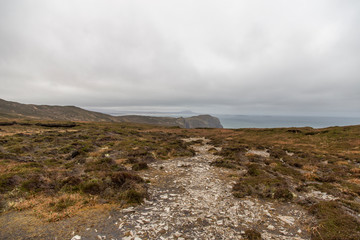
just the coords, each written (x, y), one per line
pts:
(8, 181)
(334, 223)
(264, 186)
(33, 183)
(62, 204)
(254, 170)
(223, 163)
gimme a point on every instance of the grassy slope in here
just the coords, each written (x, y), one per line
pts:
(69, 169)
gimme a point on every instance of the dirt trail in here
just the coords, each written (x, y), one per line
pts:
(189, 199)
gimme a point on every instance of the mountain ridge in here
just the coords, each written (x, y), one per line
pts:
(9, 109)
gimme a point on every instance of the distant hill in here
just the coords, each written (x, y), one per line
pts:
(71, 113)
(201, 121)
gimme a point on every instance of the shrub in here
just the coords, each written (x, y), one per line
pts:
(283, 194)
(33, 184)
(263, 186)
(8, 182)
(133, 196)
(71, 184)
(252, 234)
(93, 187)
(222, 163)
(253, 170)
(241, 190)
(139, 166)
(120, 178)
(277, 153)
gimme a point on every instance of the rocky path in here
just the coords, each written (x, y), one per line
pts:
(189, 199)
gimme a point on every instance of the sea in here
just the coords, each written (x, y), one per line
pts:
(266, 121)
(252, 121)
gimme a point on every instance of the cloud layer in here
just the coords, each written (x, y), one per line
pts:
(246, 57)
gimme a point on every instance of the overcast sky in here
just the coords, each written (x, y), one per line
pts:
(247, 57)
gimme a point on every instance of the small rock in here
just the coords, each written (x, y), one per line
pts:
(271, 227)
(162, 231)
(287, 219)
(76, 237)
(128, 210)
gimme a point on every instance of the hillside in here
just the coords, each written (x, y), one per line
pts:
(71, 113)
(134, 181)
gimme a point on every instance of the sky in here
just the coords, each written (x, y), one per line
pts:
(277, 57)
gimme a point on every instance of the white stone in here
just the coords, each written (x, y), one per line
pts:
(287, 219)
(271, 227)
(165, 196)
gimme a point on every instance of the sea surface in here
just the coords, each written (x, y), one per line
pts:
(250, 121)
(267, 121)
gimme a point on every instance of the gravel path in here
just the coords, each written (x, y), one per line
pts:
(189, 199)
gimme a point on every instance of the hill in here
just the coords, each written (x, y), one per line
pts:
(71, 113)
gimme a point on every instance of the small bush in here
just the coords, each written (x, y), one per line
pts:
(252, 234)
(263, 186)
(223, 163)
(140, 166)
(253, 170)
(133, 196)
(93, 187)
(71, 184)
(8, 182)
(283, 194)
(120, 178)
(33, 184)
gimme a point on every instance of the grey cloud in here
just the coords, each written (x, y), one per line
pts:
(241, 57)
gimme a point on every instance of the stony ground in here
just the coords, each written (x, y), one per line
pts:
(189, 199)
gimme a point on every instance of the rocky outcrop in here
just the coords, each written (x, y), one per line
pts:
(202, 121)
